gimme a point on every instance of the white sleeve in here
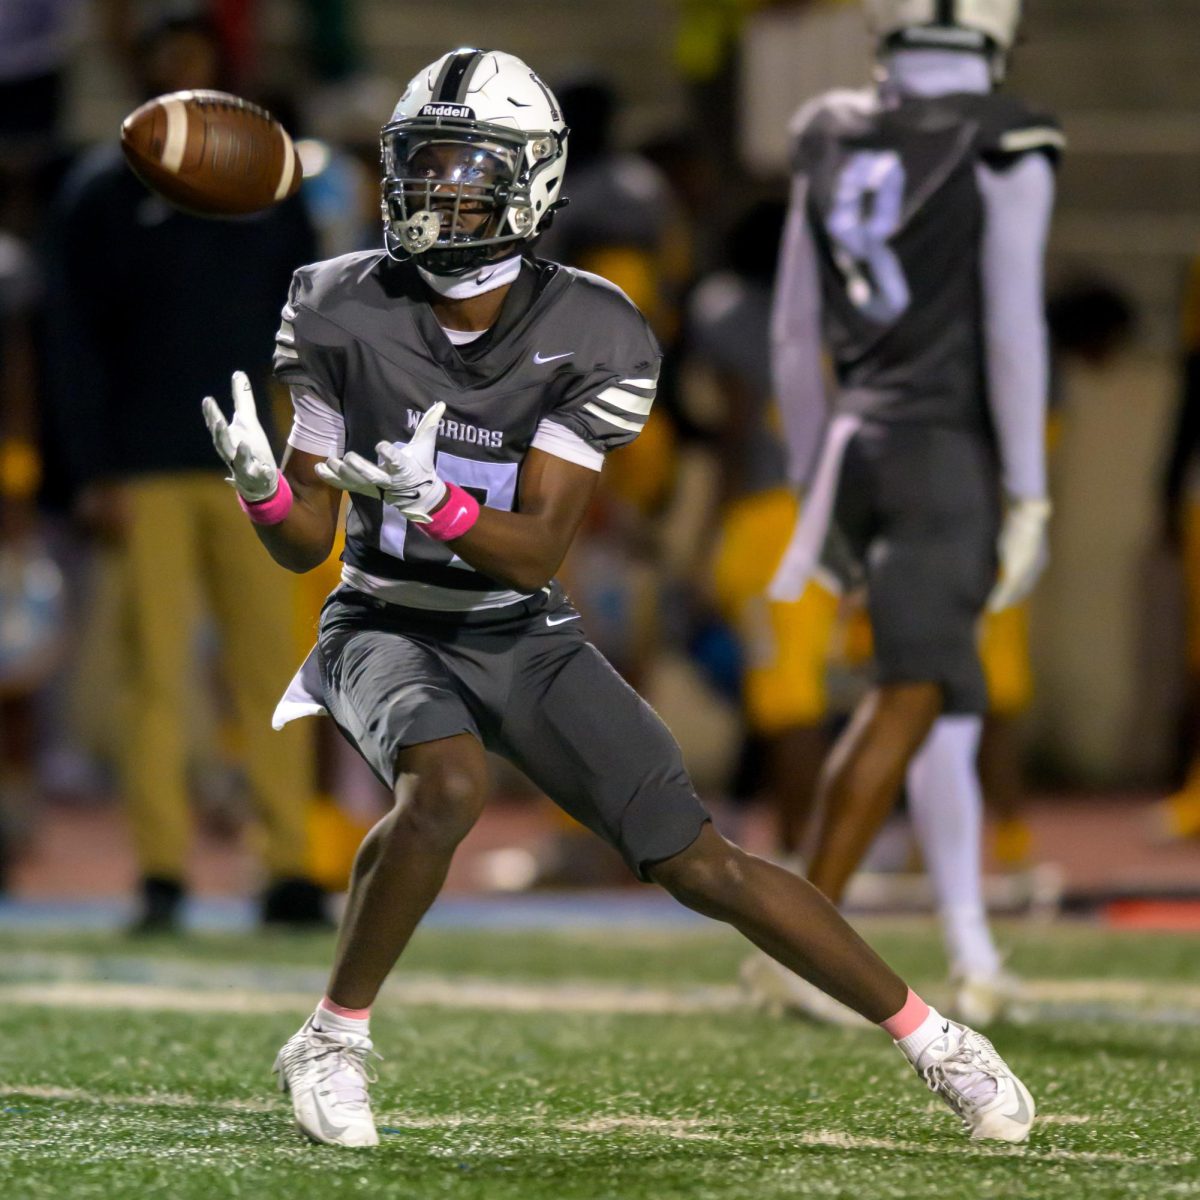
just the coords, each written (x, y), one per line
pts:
(563, 443)
(1017, 207)
(796, 370)
(317, 427)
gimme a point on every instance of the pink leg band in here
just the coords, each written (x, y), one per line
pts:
(340, 1010)
(273, 509)
(458, 513)
(908, 1019)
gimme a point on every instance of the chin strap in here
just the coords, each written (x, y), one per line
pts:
(486, 278)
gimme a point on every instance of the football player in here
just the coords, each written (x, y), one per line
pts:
(464, 394)
(915, 242)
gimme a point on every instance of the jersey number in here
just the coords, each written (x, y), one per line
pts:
(491, 483)
(867, 207)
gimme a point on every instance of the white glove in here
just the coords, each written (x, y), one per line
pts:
(1023, 552)
(243, 444)
(404, 476)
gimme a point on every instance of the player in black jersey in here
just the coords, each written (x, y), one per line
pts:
(915, 244)
(465, 394)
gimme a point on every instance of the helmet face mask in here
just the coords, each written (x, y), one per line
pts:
(467, 179)
(987, 27)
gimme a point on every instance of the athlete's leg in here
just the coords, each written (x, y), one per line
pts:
(597, 749)
(785, 916)
(396, 699)
(919, 509)
(946, 806)
(793, 772)
(400, 868)
(862, 776)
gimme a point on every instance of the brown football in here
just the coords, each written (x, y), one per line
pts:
(211, 154)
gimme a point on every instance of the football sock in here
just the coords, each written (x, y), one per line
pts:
(339, 1019)
(946, 804)
(934, 1038)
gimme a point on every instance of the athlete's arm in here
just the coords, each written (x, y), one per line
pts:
(300, 534)
(525, 548)
(796, 370)
(303, 540)
(1017, 206)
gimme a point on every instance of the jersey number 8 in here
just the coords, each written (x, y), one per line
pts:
(866, 212)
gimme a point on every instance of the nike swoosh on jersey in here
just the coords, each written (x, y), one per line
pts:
(537, 357)
(562, 620)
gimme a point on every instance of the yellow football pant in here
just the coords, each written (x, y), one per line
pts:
(189, 542)
(786, 645)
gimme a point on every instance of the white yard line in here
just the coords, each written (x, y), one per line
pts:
(164, 987)
(677, 1128)
(1136, 993)
(490, 995)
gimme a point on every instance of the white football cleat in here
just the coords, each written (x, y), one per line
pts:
(986, 999)
(780, 992)
(962, 1067)
(327, 1073)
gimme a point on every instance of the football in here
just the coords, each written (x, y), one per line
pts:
(211, 154)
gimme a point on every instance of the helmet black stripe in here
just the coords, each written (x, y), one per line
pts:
(945, 13)
(451, 86)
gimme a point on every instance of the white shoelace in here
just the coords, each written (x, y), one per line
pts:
(344, 1068)
(967, 1077)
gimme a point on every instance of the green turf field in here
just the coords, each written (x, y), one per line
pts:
(522, 1066)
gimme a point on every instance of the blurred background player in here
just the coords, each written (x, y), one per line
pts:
(150, 308)
(919, 215)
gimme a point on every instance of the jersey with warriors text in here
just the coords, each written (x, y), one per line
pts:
(567, 348)
(897, 217)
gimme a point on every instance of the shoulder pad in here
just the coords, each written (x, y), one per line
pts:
(321, 283)
(828, 115)
(1010, 128)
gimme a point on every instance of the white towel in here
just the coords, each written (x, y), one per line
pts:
(305, 696)
(802, 558)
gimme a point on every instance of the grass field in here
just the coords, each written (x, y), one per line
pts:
(579, 1066)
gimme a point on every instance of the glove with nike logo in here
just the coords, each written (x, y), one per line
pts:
(403, 477)
(242, 444)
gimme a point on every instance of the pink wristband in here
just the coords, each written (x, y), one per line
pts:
(273, 509)
(459, 512)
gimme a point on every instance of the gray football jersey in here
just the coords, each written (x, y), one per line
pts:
(897, 218)
(567, 348)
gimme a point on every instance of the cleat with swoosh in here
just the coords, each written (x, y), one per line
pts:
(964, 1069)
(326, 1073)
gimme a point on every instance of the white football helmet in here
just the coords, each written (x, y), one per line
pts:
(988, 26)
(473, 160)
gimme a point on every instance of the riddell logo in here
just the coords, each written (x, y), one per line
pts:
(448, 110)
